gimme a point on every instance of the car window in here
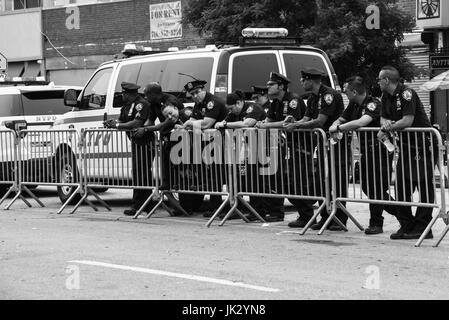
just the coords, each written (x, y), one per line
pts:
(252, 69)
(296, 62)
(94, 96)
(127, 73)
(43, 102)
(10, 105)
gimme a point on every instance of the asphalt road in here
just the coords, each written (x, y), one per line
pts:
(106, 255)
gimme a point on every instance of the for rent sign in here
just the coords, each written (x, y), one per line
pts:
(165, 20)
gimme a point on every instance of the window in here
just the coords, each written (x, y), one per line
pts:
(94, 96)
(10, 5)
(43, 103)
(61, 3)
(252, 69)
(296, 62)
(10, 105)
(128, 73)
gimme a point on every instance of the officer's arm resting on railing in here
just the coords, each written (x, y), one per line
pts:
(270, 123)
(334, 127)
(136, 123)
(312, 124)
(249, 122)
(405, 122)
(363, 121)
(207, 123)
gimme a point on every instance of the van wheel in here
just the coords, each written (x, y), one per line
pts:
(67, 173)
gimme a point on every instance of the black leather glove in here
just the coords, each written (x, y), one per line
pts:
(110, 124)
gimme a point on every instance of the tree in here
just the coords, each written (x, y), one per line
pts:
(336, 26)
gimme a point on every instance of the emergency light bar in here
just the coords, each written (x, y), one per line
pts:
(264, 32)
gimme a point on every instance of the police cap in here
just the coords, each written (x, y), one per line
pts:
(129, 87)
(259, 90)
(277, 78)
(311, 73)
(192, 85)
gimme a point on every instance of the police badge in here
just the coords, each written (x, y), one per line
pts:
(293, 104)
(407, 95)
(139, 107)
(328, 98)
(210, 105)
(371, 106)
(249, 110)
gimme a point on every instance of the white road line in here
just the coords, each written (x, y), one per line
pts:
(173, 274)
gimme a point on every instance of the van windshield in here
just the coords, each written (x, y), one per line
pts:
(10, 105)
(296, 62)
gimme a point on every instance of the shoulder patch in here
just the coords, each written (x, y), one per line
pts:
(407, 94)
(210, 105)
(139, 107)
(328, 98)
(293, 103)
(371, 106)
(249, 110)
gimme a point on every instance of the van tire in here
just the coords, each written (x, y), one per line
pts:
(67, 172)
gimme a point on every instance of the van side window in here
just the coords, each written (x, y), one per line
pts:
(94, 96)
(252, 69)
(295, 62)
(10, 105)
(44, 102)
(173, 74)
(128, 73)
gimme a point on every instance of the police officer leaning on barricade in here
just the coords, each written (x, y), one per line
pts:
(375, 161)
(324, 106)
(402, 108)
(244, 115)
(260, 96)
(285, 106)
(133, 114)
(208, 109)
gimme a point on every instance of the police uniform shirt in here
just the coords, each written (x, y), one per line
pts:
(266, 106)
(404, 101)
(211, 107)
(328, 102)
(137, 110)
(370, 106)
(291, 105)
(156, 110)
(249, 111)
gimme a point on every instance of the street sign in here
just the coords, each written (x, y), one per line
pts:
(3, 63)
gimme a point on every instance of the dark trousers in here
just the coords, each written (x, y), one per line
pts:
(142, 162)
(414, 171)
(375, 171)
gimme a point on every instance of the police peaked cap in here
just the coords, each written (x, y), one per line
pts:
(278, 78)
(312, 73)
(129, 87)
(259, 90)
(153, 88)
(192, 85)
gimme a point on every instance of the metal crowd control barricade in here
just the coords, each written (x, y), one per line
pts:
(409, 155)
(8, 165)
(271, 163)
(111, 160)
(39, 155)
(196, 166)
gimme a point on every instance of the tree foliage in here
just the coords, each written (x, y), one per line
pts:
(336, 26)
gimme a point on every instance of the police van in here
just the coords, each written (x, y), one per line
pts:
(224, 67)
(24, 105)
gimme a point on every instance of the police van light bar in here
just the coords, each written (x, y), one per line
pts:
(264, 32)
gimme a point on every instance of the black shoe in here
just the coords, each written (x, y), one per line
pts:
(374, 230)
(298, 223)
(336, 227)
(398, 234)
(318, 225)
(130, 212)
(417, 234)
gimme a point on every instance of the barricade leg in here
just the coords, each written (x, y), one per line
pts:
(32, 195)
(18, 195)
(332, 216)
(427, 230)
(69, 200)
(250, 208)
(440, 238)
(232, 211)
(139, 211)
(10, 190)
(313, 219)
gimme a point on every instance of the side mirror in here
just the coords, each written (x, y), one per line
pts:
(71, 97)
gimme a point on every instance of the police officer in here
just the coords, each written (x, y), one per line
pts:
(208, 110)
(375, 162)
(285, 106)
(324, 106)
(260, 96)
(133, 114)
(158, 101)
(402, 108)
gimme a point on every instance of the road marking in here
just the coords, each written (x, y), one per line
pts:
(174, 274)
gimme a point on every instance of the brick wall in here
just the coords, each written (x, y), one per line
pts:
(105, 28)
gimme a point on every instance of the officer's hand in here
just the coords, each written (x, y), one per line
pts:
(380, 135)
(179, 126)
(332, 129)
(259, 124)
(288, 126)
(387, 125)
(289, 119)
(110, 124)
(138, 132)
(219, 125)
